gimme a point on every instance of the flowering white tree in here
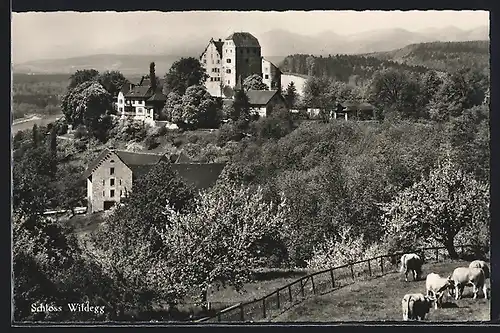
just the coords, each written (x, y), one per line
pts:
(212, 245)
(438, 207)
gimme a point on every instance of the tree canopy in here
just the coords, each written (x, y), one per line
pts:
(184, 73)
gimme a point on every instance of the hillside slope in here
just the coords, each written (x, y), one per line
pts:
(442, 56)
(380, 299)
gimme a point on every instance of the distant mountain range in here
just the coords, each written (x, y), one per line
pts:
(134, 57)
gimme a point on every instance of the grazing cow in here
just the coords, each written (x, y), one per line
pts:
(416, 306)
(483, 265)
(463, 276)
(437, 285)
(411, 262)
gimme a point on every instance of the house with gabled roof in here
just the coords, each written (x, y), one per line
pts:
(140, 101)
(112, 175)
(262, 102)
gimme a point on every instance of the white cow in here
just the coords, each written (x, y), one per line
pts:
(436, 286)
(463, 276)
(483, 265)
(411, 262)
(416, 306)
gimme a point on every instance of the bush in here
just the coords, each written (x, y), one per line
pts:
(81, 132)
(192, 138)
(229, 132)
(177, 142)
(62, 129)
(81, 145)
(162, 131)
(151, 142)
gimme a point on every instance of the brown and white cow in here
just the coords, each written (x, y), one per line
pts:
(416, 306)
(467, 276)
(436, 286)
(411, 262)
(483, 265)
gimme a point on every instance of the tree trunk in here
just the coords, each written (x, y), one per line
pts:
(451, 248)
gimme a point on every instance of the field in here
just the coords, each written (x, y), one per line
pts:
(380, 300)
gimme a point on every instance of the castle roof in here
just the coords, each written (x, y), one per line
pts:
(243, 39)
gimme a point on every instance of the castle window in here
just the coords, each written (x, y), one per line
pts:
(112, 161)
(112, 193)
(103, 193)
(120, 181)
(121, 193)
(112, 182)
(111, 171)
(267, 76)
(228, 71)
(204, 61)
(218, 61)
(103, 182)
(228, 81)
(228, 61)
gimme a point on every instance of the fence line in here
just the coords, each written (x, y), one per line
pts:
(321, 282)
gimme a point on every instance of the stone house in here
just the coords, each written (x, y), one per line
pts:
(112, 174)
(235, 58)
(262, 102)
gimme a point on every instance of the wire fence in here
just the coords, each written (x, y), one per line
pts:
(322, 282)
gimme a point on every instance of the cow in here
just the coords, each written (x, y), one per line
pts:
(483, 265)
(416, 306)
(463, 276)
(411, 262)
(436, 286)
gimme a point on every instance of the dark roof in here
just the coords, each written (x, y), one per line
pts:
(158, 96)
(260, 97)
(218, 46)
(140, 91)
(183, 158)
(366, 106)
(126, 87)
(244, 39)
(202, 175)
(133, 158)
(146, 82)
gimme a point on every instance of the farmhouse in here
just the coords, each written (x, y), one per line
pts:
(238, 56)
(357, 111)
(141, 102)
(263, 102)
(112, 174)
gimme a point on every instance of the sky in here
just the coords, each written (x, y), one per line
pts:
(38, 35)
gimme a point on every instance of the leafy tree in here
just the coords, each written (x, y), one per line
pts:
(32, 181)
(81, 76)
(197, 109)
(291, 95)
(212, 245)
(87, 104)
(438, 207)
(316, 92)
(461, 90)
(254, 82)
(184, 73)
(241, 107)
(112, 81)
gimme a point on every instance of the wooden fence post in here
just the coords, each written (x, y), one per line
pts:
(437, 253)
(314, 287)
(333, 279)
(264, 308)
(278, 298)
(242, 313)
(290, 292)
(352, 272)
(369, 268)
(302, 287)
(382, 265)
